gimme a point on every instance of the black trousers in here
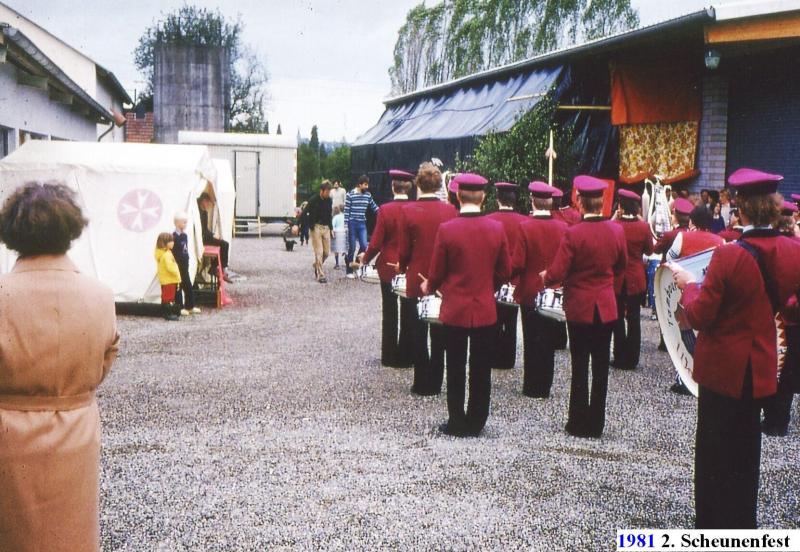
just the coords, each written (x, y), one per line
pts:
(185, 296)
(223, 249)
(778, 408)
(395, 345)
(479, 341)
(727, 459)
(587, 411)
(628, 341)
(539, 335)
(428, 364)
(505, 355)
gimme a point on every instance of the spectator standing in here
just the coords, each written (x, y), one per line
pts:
(339, 241)
(58, 339)
(318, 212)
(338, 195)
(185, 297)
(356, 203)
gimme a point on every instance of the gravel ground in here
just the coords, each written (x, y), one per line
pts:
(271, 424)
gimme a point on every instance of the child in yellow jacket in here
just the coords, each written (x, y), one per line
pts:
(169, 275)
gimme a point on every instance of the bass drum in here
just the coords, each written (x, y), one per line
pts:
(680, 343)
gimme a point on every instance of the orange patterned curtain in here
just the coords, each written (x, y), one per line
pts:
(667, 149)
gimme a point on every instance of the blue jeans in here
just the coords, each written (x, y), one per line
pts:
(356, 231)
(652, 266)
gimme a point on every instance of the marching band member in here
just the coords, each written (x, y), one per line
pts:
(566, 213)
(470, 257)
(681, 209)
(630, 286)
(421, 221)
(506, 351)
(537, 241)
(395, 351)
(697, 238)
(735, 361)
(589, 256)
(734, 231)
(788, 223)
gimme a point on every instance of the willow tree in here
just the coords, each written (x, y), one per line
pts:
(454, 38)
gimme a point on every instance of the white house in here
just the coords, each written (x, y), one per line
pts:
(51, 91)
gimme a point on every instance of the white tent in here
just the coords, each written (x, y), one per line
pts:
(129, 193)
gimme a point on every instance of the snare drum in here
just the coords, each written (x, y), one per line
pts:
(506, 295)
(369, 274)
(399, 285)
(549, 303)
(428, 308)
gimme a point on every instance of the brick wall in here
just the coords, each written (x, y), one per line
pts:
(712, 142)
(139, 129)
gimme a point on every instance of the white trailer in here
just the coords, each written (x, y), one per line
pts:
(264, 173)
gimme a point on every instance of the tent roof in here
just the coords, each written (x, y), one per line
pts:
(472, 110)
(112, 157)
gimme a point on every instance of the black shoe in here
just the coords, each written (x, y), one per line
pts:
(422, 392)
(679, 389)
(454, 432)
(613, 362)
(172, 317)
(537, 394)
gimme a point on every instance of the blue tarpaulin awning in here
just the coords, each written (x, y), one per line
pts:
(476, 110)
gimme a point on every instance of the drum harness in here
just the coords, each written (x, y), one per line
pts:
(769, 284)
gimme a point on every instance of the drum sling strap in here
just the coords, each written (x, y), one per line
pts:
(769, 284)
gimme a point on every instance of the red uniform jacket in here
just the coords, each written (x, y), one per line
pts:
(537, 242)
(665, 242)
(640, 242)
(569, 215)
(421, 221)
(590, 255)
(470, 257)
(511, 222)
(386, 239)
(734, 316)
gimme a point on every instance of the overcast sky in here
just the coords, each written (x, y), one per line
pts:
(328, 60)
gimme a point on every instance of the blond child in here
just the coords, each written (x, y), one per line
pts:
(169, 275)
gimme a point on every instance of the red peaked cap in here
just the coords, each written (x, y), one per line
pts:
(507, 186)
(788, 209)
(542, 190)
(397, 174)
(683, 206)
(754, 182)
(629, 194)
(589, 186)
(471, 181)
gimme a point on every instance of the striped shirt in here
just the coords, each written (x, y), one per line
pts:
(356, 204)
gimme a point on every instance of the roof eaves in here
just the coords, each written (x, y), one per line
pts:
(23, 42)
(112, 79)
(702, 16)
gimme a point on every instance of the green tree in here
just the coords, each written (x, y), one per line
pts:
(195, 26)
(336, 165)
(454, 38)
(313, 142)
(279, 129)
(518, 155)
(308, 170)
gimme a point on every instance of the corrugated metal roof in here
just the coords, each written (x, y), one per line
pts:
(26, 45)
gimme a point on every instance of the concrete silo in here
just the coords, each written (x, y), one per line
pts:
(192, 90)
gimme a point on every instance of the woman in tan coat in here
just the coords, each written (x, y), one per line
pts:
(58, 339)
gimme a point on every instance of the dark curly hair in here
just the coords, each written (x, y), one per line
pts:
(41, 219)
